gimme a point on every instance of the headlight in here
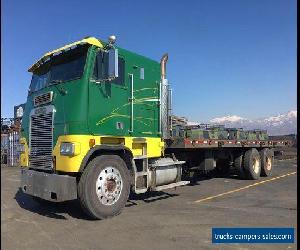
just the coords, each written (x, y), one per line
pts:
(67, 148)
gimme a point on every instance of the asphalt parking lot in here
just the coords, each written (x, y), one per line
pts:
(175, 219)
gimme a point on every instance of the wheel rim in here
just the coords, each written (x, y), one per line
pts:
(255, 165)
(109, 186)
(269, 163)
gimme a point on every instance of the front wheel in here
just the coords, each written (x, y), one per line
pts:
(104, 187)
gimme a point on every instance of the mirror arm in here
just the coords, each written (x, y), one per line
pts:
(108, 47)
(101, 81)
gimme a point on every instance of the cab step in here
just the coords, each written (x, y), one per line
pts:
(172, 185)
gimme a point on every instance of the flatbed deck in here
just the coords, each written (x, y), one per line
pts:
(185, 143)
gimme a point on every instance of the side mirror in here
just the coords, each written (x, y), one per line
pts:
(113, 63)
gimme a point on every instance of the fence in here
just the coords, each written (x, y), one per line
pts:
(10, 154)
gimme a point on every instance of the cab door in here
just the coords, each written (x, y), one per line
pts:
(108, 107)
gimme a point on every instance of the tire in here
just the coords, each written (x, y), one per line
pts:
(238, 165)
(267, 159)
(101, 174)
(252, 164)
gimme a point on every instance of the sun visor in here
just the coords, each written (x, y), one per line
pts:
(46, 57)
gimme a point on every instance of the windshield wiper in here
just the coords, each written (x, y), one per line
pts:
(56, 81)
(61, 90)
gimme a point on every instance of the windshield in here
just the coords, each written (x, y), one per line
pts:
(61, 68)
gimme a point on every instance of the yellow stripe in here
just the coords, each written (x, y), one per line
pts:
(246, 187)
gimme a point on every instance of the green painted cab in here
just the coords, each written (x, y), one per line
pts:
(74, 81)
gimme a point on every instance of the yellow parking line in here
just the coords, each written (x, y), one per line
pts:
(242, 188)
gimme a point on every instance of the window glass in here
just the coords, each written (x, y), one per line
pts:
(63, 67)
(68, 70)
(120, 80)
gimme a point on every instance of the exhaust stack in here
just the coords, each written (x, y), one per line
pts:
(165, 102)
(163, 65)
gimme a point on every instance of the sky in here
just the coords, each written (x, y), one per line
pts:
(226, 57)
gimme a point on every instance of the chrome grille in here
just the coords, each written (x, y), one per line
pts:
(41, 138)
(43, 99)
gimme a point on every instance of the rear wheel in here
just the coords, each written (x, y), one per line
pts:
(104, 187)
(252, 164)
(267, 158)
(238, 165)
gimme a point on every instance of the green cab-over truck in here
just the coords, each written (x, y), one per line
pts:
(97, 126)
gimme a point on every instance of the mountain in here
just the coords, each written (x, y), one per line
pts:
(281, 124)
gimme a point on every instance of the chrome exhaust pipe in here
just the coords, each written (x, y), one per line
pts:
(164, 99)
(163, 64)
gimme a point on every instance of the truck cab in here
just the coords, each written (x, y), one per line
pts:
(91, 100)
